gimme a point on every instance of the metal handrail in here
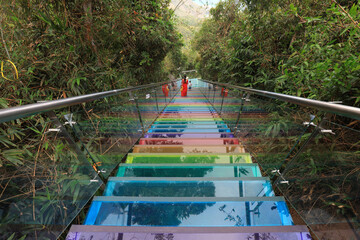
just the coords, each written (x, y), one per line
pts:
(13, 113)
(348, 111)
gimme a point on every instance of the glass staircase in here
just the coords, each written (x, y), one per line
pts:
(189, 178)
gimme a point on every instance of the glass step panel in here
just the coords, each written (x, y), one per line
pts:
(181, 113)
(189, 115)
(190, 141)
(200, 118)
(85, 232)
(192, 110)
(189, 212)
(189, 130)
(189, 135)
(194, 122)
(188, 149)
(190, 107)
(167, 111)
(190, 104)
(193, 170)
(173, 112)
(157, 126)
(187, 158)
(188, 119)
(184, 187)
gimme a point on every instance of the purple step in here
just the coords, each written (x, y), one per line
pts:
(83, 232)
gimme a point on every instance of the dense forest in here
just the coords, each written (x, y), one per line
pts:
(307, 48)
(56, 49)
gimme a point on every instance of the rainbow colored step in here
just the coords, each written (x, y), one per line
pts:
(189, 178)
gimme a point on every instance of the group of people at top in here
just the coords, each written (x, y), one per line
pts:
(184, 86)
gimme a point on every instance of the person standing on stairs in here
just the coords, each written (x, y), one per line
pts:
(165, 89)
(184, 83)
(190, 85)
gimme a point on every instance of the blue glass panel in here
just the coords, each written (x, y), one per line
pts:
(194, 188)
(243, 170)
(188, 213)
(190, 130)
(189, 135)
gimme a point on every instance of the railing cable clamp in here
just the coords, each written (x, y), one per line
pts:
(53, 130)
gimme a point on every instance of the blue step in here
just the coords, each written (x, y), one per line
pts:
(185, 187)
(188, 212)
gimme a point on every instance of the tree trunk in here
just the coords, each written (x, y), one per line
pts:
(87, 6)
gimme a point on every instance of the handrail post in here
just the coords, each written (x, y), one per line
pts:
(214, 89)
(222, 102)
(208, 92)
(139, 113)
(157, 105)
(240, 111)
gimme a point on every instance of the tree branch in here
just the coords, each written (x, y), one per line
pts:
(3, 40)
(349, 16)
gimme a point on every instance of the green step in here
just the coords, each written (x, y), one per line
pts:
(188, 158)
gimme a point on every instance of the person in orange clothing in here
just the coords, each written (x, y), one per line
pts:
(165, 89)
(224, 92)
(184, 83)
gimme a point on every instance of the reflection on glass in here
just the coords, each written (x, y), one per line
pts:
(189, 135)
(261, 234)
(194, 141)
(187, 158)
(238, 170)
(171, 188)
(158, 126)
(189, 130)
(107, 129)
(45, 182)
(188, 149)
(324, 183)
(190, 122)
(206, 214)
(268, 129)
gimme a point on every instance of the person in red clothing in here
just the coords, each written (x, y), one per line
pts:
(224, 92)
(184, 84)
(165, 89)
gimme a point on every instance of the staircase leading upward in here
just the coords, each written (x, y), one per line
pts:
(188, 178)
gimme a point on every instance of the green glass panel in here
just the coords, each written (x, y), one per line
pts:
(187, 158)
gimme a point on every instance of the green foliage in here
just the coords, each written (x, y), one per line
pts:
(67, 48)
(307, 48)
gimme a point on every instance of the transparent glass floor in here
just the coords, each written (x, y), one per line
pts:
(187, 158)
(256, 211)
(183, 187)
(84, 232)
(190, 171)
(188, 141)
(188, 149)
